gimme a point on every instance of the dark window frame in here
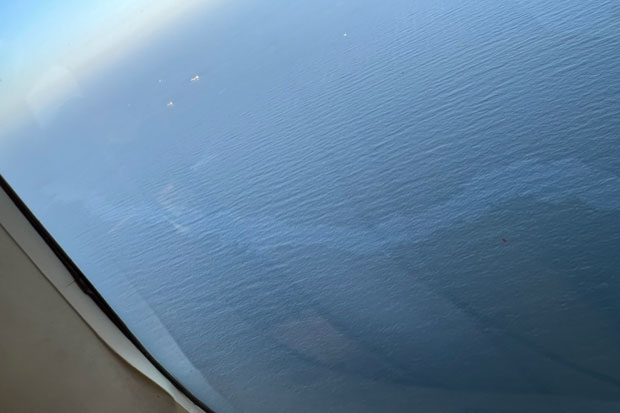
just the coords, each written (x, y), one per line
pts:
(87, 287)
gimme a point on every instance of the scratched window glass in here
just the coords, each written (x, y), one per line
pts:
(346, 206)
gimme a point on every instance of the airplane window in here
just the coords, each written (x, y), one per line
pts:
(335, 206)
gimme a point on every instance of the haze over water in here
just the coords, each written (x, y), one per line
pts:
(356, 206)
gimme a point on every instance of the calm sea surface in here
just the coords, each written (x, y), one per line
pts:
(359, 206)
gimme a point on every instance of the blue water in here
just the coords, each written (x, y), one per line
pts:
(422, 215)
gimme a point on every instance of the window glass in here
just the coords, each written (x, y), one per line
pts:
(347, 206)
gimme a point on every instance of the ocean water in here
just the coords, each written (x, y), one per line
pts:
(358, 207)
